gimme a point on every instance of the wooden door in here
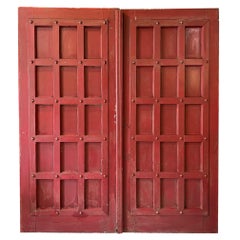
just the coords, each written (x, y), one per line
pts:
(170, 107)
(66, 111)
(118, 120)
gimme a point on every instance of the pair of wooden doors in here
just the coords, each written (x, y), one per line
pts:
(118, 120)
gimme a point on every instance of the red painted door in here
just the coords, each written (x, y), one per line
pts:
(118, 120)
(66, 109)
(170, 102)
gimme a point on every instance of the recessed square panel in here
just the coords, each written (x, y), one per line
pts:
(68, 42)
(168, 191)
(93, 156)
(69, 194)
(193, 42)
(44, 119)
(144, 156)
(169, 42)
(44, 193)
(193, 157)
(69, 156)
(193, 119)
(144, 191)
(92, 81)
(144, 46)
(92, 42)
(69, 120)
(144, 81)
(93, 120)
(44, 156)
(168, 156)
(193, 81)
(168, 119)
(43, 41)
(44, 81)
(169, 81)
(68, 81)
(92, 193)
(144, 119)
(193, 193)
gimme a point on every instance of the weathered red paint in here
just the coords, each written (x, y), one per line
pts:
(118, 120)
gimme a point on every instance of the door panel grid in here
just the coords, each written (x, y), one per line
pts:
(163, 113)
(66, 119)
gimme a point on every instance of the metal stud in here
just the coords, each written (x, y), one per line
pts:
(32, 61)
(157, 62)
(56, 176)
(156, 138)
(33, 175)
(57, 213)
(205, 100)
(105, 21)
(81, 22)
(205, 138)
(180, 138)
(157, 23)
(32, 100)
(181, 22)
(80, 213)
(81, 101)
(104, 175)
(105, 100)
(31, 21)
(157, 212)
(133, 62)
(105, 61)
(133, 100)
(81, 176)
(81, 62)
(181, 175)
(157, 175)
(105, 139)
(56, 62)
(133, 175)
(32, 138)
(132, 138)
(81, 138)
(181, 212)
(56, 100)
(56, 22)
(205, 175)
(181, 61)
(156, 100)
(206, 60)
(180, 100)
(56, 138)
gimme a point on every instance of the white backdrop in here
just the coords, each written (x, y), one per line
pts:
(229, 143)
